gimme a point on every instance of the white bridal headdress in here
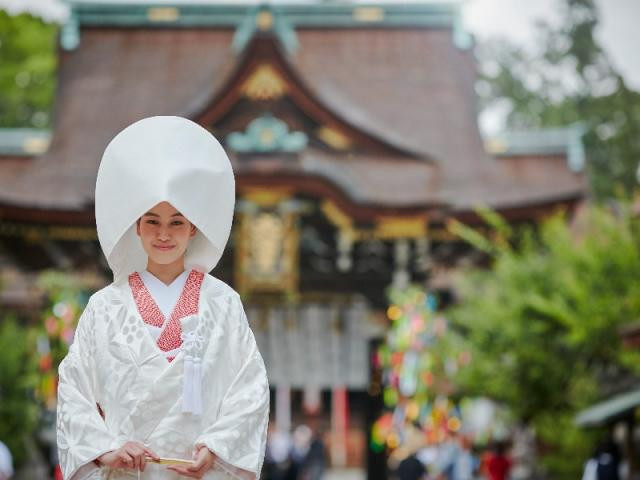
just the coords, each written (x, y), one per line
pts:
(163, 159)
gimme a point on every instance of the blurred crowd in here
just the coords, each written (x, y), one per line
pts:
(456, 458)
(606, 462)
(300, 455)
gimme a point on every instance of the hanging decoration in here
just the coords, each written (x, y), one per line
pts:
(418, 360)
(64, 303)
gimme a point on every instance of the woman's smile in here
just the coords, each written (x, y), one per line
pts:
(164, 248)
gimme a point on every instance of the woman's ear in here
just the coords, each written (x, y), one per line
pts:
(138, 227)
(194, 230)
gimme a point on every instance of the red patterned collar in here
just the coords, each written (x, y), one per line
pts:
(187, 304)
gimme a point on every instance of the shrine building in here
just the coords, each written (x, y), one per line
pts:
(352, 130)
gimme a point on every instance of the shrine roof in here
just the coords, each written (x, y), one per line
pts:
(402, 74)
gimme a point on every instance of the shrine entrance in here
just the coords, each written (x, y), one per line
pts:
(317, 357)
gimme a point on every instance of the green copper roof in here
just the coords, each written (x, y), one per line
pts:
(544, 141)
(15, 142)
(276, 22)
(609, 410)
(287, 16)
(300, 15)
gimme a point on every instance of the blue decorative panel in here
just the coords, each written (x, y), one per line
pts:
(267, 134)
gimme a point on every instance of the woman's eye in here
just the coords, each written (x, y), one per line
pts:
(151, 222)
(177, 222)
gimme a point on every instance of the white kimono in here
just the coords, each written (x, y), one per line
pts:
(142, 374)
(115, 363)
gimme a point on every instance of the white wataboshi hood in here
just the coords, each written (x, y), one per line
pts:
(163, 159)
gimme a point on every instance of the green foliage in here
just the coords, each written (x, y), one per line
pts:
(557, 433)
(17, 409)
(543, 323)
(569, 79)
(30, 356)
(27, 80)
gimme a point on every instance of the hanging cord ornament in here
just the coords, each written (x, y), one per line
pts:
(192, 376)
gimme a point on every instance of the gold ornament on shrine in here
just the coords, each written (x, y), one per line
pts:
(267, 246)
(334, 138)
(264, 83)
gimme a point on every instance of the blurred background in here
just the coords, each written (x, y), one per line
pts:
(436, 235)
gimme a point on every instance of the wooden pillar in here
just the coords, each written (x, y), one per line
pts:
(283, 408)
(339, 426)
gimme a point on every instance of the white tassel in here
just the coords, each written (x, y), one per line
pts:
(192, 376)
(187, 385)
(197, 387)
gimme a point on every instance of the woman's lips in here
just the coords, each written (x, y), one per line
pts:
(163, 248)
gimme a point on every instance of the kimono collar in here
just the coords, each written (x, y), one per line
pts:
(165, 296)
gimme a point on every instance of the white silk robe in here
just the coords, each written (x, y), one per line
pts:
(114, 362)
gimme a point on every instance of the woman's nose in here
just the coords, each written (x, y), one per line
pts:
(163, 233)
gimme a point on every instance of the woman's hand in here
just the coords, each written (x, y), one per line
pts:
(130, 455)
(202, 461)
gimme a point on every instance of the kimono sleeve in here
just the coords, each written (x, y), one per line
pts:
(239, 434)
(81, 432)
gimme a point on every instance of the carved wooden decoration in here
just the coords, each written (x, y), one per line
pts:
(267, 249)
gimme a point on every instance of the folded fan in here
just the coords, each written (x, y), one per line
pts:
(169, 461)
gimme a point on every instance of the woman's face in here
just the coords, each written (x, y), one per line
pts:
(164, 233)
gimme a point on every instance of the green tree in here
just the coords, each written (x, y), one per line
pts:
(543, 323)
(18, 412)
(27, 76)
(568, 78)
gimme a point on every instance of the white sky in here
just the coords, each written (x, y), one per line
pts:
(618, 31)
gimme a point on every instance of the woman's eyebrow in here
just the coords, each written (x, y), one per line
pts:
(151, 214)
